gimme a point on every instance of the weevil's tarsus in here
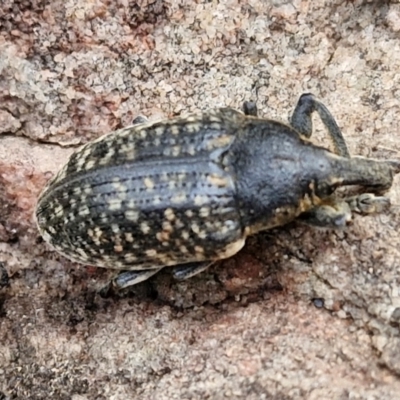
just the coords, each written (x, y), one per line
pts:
(250, 108)
(130, 278)
(368, 203)
(186, 271)
(301, 121)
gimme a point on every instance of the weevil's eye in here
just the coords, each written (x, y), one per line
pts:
(324, 189)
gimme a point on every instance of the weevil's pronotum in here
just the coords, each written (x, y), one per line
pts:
(186, 192)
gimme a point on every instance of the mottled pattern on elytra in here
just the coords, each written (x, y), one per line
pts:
(178, 137)
(147, 196)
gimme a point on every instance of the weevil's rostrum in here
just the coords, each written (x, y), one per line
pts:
(188, 191)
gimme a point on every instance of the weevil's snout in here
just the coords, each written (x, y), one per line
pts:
(394, 165)
(373, 175)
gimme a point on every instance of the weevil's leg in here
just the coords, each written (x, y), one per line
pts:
(334, 215)
(130, 278)
(140, 119)
(338, 213)
(301, 121)
(186, 271)
(250, 108)
(368, 203)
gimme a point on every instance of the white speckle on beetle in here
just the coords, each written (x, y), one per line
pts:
(58, 210)
(204, 212)
(87, 189)
(169, 214)
(183, 249)
(104, 218)
(115, 228)
(128, 237)
(178, 224)
(83, 211)
(179, 198)
(217, 180)
(81, 252)
(145, 228)
(156, 200)
(166, 225)
(185, 235)
(128, 152)
(218, 142)
(199, 200)
(195, 227)
(90, 164)
(171, 185)
(175, 151)
(118, 248)
(189, 213)
(151, 253)
(71, 217)
(193, 127)
(130, 258)
(199, 249)
(72, 202)
(119, 187)
(142, 133)
(174, 129)
(202, 234)
(132, 215)
(163, 236)
(149, 183)
(159, 130)
(114, 204)
(191, 150)
(131, 204)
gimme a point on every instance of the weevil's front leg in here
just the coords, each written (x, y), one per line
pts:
(336, 214)
(301, 121)
(186, 271)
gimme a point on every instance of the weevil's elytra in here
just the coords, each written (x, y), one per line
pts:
(188, 191)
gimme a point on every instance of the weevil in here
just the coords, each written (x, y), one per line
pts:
(187, 192)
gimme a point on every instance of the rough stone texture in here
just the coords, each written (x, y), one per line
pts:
(250, 327)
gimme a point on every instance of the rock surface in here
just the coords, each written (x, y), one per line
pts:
(299, 313)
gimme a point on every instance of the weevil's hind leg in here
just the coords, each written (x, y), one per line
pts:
(186, 271)
(140, 119)
(301, 121)
(130, 278)
(250, 108)
(368, 203)
(334, 215)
